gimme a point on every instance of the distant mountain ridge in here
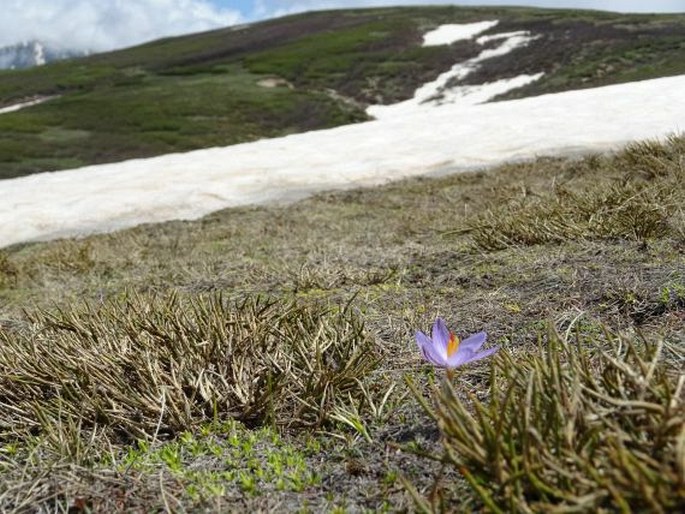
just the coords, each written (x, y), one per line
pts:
(28, 54)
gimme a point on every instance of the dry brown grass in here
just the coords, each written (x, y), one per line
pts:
(584, 423)
(144, 334)
(641, 198)
(145, 367)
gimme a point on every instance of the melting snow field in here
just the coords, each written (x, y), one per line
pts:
(416, 140)
(438, 92)
(23, 105)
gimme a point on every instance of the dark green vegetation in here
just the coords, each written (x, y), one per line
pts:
(204, 90)
(260, 358)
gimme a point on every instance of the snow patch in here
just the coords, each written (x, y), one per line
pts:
(447, 139)
(502, 35)
(22, 105)
(478, 94)
(440, 92)
(451, 33)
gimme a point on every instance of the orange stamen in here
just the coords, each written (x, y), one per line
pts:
(452, 345)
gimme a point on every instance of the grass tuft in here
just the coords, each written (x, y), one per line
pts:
(143, 367)
(634, 205)
(652, 159)
(584, 424)
(8, 271)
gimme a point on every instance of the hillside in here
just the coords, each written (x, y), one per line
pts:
(258, 358)
(458, 136)
(210, 89)
(266, 358)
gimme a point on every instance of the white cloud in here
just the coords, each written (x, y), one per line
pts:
(107, 24)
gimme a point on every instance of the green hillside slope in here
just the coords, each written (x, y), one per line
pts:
(218, 88)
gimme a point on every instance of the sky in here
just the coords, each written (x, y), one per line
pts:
(99, 25)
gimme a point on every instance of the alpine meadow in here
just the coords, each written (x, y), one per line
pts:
(498, 339)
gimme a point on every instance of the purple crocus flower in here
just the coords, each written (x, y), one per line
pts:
(446, 351)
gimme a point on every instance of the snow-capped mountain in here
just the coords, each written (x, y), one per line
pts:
(32, 53)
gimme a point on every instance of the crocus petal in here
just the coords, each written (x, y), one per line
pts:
(475, 342)
(461, 357)
(481, 355)
(465, 355)
(441, 337)
(428, 349)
